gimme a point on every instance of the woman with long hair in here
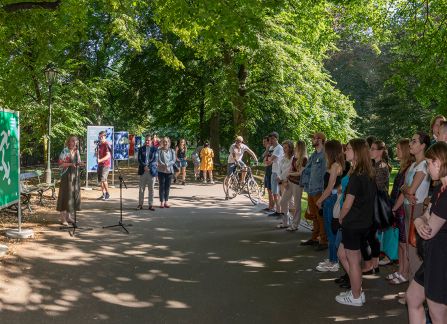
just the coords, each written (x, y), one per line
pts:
(335, 162)
(413, 193)
(166, 161)
(69, 197)
(180, 153)
(430, 281)
(284, 171)
(356, 218)
(378, 153)
(405, 160)
(294, 188)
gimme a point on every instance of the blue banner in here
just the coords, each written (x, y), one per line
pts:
(138, 140)
(92, 144)
(121, 146)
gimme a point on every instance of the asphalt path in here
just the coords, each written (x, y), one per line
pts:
(204, 260)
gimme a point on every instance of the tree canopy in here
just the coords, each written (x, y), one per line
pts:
(213, 69)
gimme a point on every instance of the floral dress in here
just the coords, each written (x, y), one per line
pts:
(69, 196)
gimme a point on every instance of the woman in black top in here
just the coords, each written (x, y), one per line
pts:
(430, 281)
(333, 151)
(379, 157)
(356, 218)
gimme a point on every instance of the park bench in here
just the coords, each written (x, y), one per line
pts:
(30, 183)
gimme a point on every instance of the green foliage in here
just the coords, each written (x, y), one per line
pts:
(212, 69)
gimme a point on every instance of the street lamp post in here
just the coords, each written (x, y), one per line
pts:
(50, 76)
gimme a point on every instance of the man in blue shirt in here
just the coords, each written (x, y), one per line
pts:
(312, 179)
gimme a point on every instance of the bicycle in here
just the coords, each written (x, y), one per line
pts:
(232, 185)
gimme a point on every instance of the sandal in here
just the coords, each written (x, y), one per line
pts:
(391, 276)
(398, 280)
(281, 226)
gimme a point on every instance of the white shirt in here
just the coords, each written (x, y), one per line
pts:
(422, 190)
(278, 151)
(238, 152)
(284, 168)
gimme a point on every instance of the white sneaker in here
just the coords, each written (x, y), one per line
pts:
(324, 263)
(212, 182)
(348, 299)
(332, 267)
(347, 292)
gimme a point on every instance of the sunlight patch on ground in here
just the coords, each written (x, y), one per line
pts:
(182, 280)
(162, 229)
(122, 299)
(249, 263)
(286, 260)
(360, 318)
(134, 252)
(16, 291)
(176, 304)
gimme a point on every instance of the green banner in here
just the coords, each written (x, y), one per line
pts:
(9, 157)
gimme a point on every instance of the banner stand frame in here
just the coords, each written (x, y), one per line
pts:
(19, 233)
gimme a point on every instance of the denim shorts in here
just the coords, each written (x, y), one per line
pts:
(232, 167)
(182, 163)
(274, 184)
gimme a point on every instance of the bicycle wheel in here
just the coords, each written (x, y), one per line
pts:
(254, 192)
(233, 187)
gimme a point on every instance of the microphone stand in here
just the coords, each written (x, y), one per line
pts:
(75, 187)
(120, 222)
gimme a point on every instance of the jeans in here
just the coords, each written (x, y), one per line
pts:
(164, 184)
(328, 207)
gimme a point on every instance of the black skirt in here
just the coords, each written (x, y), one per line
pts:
(432, 274)
(69, 196)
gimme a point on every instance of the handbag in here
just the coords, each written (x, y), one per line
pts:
(412, 230)
(337, 207)
(389, 242)
(335, 223)
(383, 215)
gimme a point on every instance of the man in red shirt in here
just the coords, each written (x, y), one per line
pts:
(104, 155)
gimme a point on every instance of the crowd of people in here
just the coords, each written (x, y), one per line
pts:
(343, 183)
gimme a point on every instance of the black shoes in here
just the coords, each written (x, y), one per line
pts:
(309, 242)
(345, 285)
(342, 279)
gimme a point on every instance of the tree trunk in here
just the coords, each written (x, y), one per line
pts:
(215, 137)
(239, 116)
(203, 131)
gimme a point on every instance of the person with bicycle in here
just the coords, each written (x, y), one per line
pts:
(237, 150)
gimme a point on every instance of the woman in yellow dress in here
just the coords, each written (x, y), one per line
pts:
(206, 161)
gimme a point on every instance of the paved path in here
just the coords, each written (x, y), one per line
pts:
(205, 260)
